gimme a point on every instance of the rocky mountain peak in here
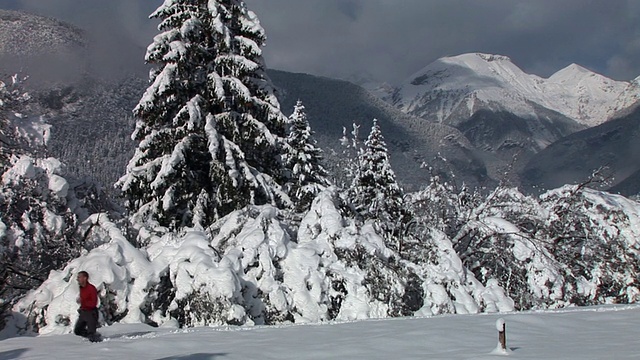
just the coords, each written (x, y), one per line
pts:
(443, 87)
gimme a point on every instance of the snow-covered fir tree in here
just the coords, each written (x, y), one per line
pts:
(303, 159)
(375, 193)
(211, 143)
(344, 165)
(209, 125)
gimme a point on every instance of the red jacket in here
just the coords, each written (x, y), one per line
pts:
(88, 297)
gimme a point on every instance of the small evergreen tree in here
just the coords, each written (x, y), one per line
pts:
(303, 159)
(342, 165)
(375, 192)
(209, 125)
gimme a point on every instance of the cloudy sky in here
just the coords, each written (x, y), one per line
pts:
(388, 40)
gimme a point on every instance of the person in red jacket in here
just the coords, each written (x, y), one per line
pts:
(88, 300)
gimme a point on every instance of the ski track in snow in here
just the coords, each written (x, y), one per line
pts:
(603, 332)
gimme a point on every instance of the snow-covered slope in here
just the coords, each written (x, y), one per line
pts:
(614, 144)
(45, 49)
(582, 95)
(333, 104)
(23, 34)
(630, 96)
(464, 83)
(605, 332)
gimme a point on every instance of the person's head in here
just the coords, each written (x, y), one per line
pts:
(83, 278)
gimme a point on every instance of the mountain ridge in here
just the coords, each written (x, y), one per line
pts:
(476, 148)
(574, 91)
(614, 144)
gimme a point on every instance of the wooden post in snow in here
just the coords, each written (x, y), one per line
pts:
(502, 333)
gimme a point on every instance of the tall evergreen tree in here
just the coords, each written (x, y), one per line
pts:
(303, 159)
(375, 192)
(209, 125)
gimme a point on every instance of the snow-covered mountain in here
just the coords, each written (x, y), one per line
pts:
(412, 140)
(455, 86)
(466, 91)
(506, 113)
(615, 144)
(630, 97)
(25, 34)
(46, 49)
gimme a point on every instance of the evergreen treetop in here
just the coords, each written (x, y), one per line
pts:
(303, 160)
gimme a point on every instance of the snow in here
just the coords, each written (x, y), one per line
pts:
(34, 129)
(26, 167)
(630, 96)
(467, 79)
(22, 168)
(53, 223)
(3, 229)
(161, 84)
(58, 185)
(603, 332)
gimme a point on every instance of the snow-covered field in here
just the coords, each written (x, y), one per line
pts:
(604, 332)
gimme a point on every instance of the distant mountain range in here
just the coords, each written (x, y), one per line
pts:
(514, 115)
(333, 105)
(473, 118)
(452, 87)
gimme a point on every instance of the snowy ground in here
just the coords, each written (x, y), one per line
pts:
(610, 332)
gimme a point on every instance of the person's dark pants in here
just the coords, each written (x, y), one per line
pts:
(87, 323)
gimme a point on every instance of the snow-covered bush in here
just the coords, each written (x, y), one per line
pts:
(121, 273)
(39, 224)
(266, 272)
(449, 287)
(499, 242)
(570, 246)
(194, 287)
(594, 235)
(250, 267)
(40, 209)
